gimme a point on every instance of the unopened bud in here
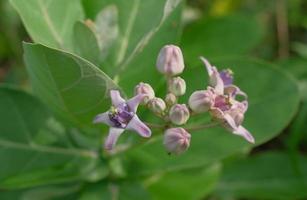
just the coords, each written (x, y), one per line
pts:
(157, 105)
(170, 99)
(179, 114)
(201, 100)
(144, 88)
(177, 86)
(170, 60)
(176, 140)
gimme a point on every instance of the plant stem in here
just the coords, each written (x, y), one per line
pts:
(202, 126)
(157, 126)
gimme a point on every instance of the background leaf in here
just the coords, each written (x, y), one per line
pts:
(41, 151)
(79, 94)
(220, 36)
(186, 184)
(262, 177)
(50, 22)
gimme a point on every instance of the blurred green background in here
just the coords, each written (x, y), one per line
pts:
(263, 41)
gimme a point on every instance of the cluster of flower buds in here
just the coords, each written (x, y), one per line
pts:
(218, 99)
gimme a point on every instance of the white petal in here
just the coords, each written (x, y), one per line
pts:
(112, 138)
(230, 122)
(217, 82)
(116, 98)
(103, 118)
(134, 102)
(138, 126)
(208, 66)
(245, 134)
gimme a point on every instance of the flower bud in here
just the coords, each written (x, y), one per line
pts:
(177, 86)
(201, 100)
(176, 140)
(179, 114)
(157, 105)
(170, 60)
(144, 88)
(170, 99)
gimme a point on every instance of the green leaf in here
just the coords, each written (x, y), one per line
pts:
(185, 184)
(86, 43)
(269, 175)
(32, 150)
(215, 37)
(58, 192)
(131, 58)
(50, 22)
(72, 87)
(112, 190)
(272, 104)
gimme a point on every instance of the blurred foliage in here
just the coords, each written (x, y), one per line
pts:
(50, 150)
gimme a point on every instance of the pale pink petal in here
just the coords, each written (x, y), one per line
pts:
(138, 126)
(116, 98)
(245, 134)
(230, 122)
(112, 138)
(217, 82)
(233, 91)
(214, 76)
(208, 66)
(134, 102)
(103, 118)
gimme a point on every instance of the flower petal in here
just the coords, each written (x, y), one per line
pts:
(230, 122)
(245, 134)
(134, 102)
(103, 118)
(112, 138)
(116, 98)
(208, 66)
(233, 91)
(138, 126)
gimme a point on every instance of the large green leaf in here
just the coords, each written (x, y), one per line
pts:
(270, 175)
(185, 184)
(114, 190)
(213, 37)
(33, 146)
(132, 56)
(272, 104)
(50, 22)
(72, 87)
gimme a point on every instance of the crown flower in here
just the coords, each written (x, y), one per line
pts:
(219, 100)
(122, 116)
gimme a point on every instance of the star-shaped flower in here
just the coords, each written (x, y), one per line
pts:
(225, 107)
(122, 116)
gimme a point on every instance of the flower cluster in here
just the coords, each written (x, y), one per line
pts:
(219, 99)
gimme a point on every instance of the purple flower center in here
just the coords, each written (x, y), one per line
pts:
(222, 103)
(121, 115)
(226, 76)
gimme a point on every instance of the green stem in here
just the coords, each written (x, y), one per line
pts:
(202, 126)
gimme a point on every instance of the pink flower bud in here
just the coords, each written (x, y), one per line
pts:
(179, 114)
(201, 100)
(170, 60)
(144, 88)
(176, 140)
(157, 105)
(177, 86)
(170, 99)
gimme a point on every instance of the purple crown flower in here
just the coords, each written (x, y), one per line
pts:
(121, 116)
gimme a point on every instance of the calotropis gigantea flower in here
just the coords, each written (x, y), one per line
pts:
(176, 140)
(170, 60)
(122, 116)
(225, 108)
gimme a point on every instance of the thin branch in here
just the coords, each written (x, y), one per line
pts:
(282, 29)
(202, 126)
